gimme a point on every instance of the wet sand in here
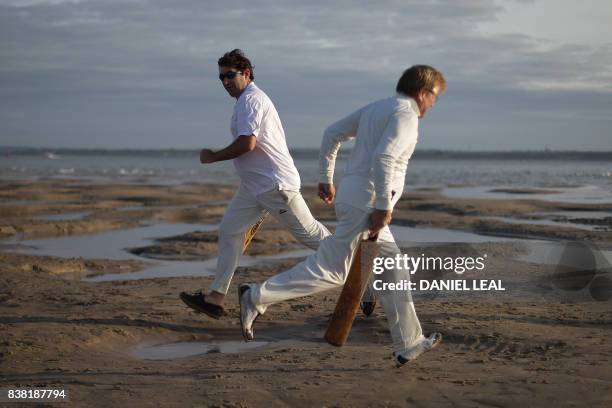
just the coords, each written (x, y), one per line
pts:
(532, 345)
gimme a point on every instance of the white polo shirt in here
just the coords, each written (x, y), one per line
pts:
(269, 166)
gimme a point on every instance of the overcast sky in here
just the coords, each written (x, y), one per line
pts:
(143, 73)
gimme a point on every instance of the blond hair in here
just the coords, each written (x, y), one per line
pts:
(420, 78)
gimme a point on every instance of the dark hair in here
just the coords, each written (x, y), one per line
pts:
(237, 60)
(419, 78)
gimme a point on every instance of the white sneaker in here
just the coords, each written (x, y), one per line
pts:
(426, 344)
(248, 313)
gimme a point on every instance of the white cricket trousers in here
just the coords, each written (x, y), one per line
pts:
(328, 268)
(287, 207)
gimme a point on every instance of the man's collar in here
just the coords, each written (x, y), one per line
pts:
(411, 100)
(249, 86)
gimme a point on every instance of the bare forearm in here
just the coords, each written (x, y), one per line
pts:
(240, 146)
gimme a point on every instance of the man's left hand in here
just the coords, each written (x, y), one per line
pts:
(206, 156)
(327, 192)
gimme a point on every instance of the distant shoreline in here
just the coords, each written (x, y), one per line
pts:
(313, 153)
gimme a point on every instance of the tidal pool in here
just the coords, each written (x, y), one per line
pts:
(186, 349)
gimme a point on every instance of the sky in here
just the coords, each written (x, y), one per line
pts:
(522, 75)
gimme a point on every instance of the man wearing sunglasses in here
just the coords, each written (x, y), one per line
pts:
(269, 180)
(385, 134)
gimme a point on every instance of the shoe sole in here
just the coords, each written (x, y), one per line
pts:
(368, 308)
(437, 340)
(198, 309)
(241, 290)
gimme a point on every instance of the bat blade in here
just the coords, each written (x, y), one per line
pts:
(340, 324)
(250, 233)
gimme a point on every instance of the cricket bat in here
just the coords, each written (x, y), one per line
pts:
(341, 322)
(250, 233)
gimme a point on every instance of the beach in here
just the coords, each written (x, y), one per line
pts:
(111, 328)
(137, 139)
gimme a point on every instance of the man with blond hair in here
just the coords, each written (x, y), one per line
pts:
(385, 134)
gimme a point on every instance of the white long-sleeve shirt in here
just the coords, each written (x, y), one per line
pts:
(386, 133)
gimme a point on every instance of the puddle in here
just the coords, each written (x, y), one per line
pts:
(584, 194)
(110, 244)
(187, 349)
(172, 269)
(553, 223)
(71, 216)
(113, 244)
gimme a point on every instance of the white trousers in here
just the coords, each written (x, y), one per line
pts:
(328, 268)
(287, 207)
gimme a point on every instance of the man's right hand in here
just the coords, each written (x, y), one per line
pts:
(206, 156)
(327, 192)
(378, 220)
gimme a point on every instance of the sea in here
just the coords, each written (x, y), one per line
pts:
(570, 176)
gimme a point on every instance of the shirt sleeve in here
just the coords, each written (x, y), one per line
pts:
(334, 135)
(400, 135)
(249, 116)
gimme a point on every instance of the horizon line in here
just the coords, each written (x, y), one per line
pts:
(7, 148)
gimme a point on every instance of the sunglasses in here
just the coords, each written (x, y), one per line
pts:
(229, 75)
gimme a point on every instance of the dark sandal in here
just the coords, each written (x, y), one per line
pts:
(197, 302)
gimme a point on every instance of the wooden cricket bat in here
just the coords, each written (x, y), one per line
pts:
(341, 322)
(250, 233)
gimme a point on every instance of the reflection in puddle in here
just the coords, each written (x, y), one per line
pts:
(186, 349)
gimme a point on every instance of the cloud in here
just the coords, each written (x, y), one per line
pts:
(143, 65)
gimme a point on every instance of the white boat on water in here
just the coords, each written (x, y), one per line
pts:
(51, 155)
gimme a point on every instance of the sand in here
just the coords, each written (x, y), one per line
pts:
(530, 346)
